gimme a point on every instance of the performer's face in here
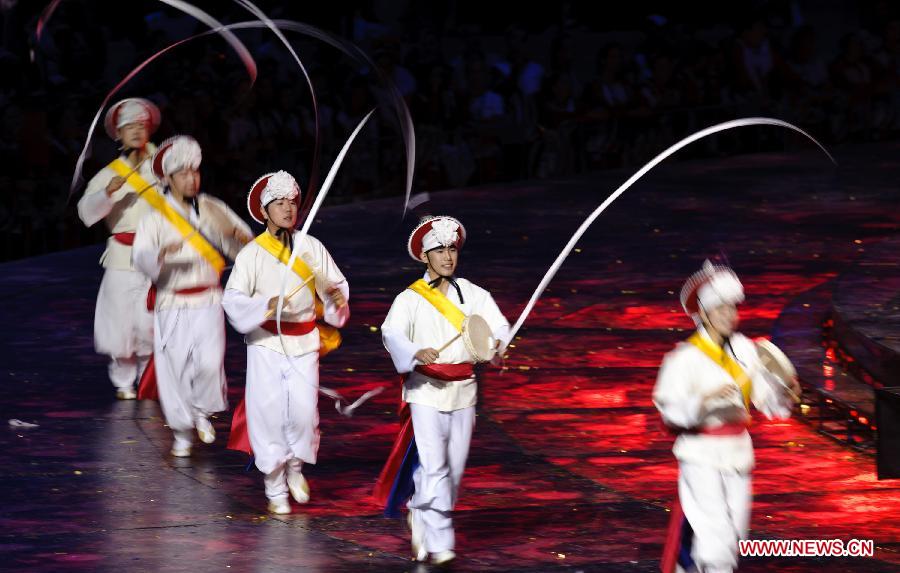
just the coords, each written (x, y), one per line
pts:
(442, 260)
(282, 213)
(134, 135)
(185, 182)
(723, 319)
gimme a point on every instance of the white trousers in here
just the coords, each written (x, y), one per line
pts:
(276, 480)
(189, 353)
(126, 372)
(442, 439)
(717, 505)
(123, 327)
(282, 407)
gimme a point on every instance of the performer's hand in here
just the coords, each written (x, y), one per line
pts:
(727, 392)
(497, 359)
(169, 250)
(273, 304)
(240, 236)
(114, 185)
(337, 297)
(427, 356)
(794, 385)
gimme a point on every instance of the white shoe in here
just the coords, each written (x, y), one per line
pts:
(181, 452)
(126, 394)
(443, 557)
(298, 486)
(205, 430)
(418, 537)
(279, 506)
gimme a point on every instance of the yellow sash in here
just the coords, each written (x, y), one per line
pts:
(439, 301)
(718, 355)
(278, 250)
(329, 336)
(185, 229)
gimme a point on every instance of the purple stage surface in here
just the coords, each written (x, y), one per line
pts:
(569, 469)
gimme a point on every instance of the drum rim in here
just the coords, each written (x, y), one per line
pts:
(468, 342)
(778, 354)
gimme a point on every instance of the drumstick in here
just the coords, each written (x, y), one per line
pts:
(297, 289)
(135, 168)
(444, 347)
(149, 185)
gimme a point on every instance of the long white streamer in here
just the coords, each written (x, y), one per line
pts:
(551, 272)
(320, 198)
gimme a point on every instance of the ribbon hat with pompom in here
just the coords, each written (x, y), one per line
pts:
(435, 232)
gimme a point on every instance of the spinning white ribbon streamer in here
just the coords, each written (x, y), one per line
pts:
(551, 272)
(298, 239)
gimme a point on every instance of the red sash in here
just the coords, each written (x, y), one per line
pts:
(676, 529)
(147, 386)
(290, 328)
(239, 438)
(446, 372)
(731, 429)
(124, 238)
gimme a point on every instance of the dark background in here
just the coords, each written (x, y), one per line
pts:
(499, 91)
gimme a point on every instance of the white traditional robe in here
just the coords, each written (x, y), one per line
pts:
(413, 324)
(281, 396)
(189, 337)
(123, 327)
(443, 413)
(714, 470)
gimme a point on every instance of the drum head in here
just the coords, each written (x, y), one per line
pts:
(478, 338)
(774, 360)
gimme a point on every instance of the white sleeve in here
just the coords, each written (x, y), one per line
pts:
(770, 396)
(490, 312)
(395, 333)
(222, 227)
(239, 223)
(673, 396)
(95, 204)
(245, 312)
(232, 246)
(146, 247)
(328, 275)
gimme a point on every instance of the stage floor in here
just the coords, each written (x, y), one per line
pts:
(569, 468)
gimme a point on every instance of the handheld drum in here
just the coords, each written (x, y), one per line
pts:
(477, 337)
(777, 362)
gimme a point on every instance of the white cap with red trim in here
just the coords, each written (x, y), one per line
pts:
(271, 187)
(434, 232)
(711, 286)
(175, 154)
(131, 110)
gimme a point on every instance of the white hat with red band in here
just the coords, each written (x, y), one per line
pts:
(435, 232)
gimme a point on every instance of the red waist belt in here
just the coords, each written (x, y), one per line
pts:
(196, 289)
(447, 372)
(124, 238)
(732, 429)
(151, 294)
(290, 328)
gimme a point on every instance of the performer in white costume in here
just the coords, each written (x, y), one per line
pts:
(281, 399)
(703, 392)
(178, 247)
(440, 386)
(123, 327)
